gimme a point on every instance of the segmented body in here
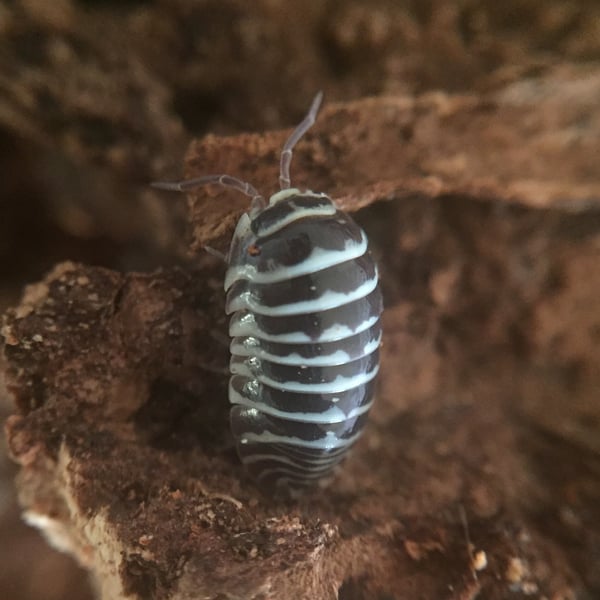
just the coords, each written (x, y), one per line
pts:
(303, 292)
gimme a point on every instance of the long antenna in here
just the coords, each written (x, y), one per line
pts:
(288, 147)
(224, 180)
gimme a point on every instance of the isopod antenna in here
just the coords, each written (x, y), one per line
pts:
(288, 148)
(225, 180)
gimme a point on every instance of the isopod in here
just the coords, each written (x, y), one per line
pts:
(303, 293)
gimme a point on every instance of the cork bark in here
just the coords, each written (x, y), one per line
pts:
(464, 137)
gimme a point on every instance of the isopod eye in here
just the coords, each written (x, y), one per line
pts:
(253, 250)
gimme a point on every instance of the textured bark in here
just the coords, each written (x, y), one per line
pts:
(484, 212)
(482, 207)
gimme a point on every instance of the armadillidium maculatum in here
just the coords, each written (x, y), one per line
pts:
(303, 292)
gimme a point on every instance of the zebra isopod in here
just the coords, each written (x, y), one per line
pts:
(303, 293)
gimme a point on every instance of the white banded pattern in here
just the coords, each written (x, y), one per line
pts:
(319, 259)
(303, 292)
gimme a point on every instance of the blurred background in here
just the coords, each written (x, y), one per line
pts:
(98, 98)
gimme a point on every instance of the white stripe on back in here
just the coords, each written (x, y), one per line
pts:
(326, 301)
(333, 415)
(339, 384)
(318, 260)
(328, 442)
